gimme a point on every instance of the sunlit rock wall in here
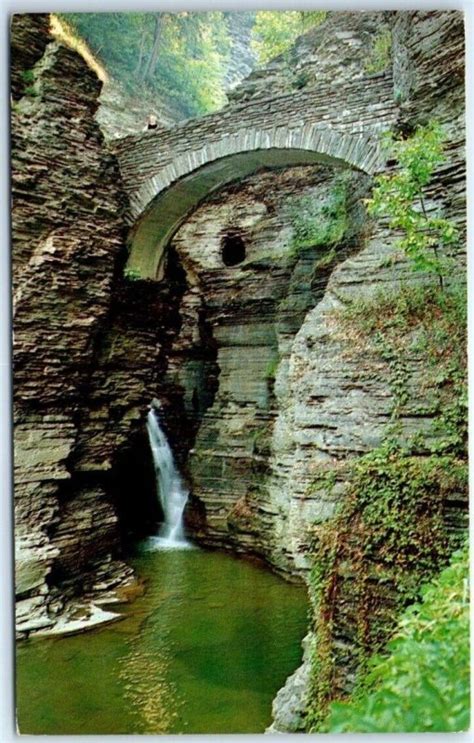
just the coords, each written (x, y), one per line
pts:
(67, 237)
(336, 53)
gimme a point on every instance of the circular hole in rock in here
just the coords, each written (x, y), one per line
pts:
(233, 248)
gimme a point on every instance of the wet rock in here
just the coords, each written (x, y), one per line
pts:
(289, 708)
(67, 239)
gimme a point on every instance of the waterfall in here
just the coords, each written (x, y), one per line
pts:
(171, 491)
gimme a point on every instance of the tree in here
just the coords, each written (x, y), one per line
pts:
(427, 236)
(180, 57)
(149, 68)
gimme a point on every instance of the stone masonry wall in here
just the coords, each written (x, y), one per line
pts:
(355, 102)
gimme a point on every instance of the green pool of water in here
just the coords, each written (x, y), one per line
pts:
(204, 650)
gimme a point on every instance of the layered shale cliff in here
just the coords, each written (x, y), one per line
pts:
(236, 323)
(67, 238)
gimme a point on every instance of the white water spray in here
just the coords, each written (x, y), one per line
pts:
(171, 491)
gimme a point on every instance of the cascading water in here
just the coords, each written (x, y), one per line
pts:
(171, 491)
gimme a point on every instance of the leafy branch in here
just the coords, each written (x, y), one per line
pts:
(402, 197)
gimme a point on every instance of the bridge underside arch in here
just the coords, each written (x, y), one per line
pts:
(164, 202)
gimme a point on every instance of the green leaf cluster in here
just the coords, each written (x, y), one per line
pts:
(271, 368)
(131, 274)
(28, 76)
(427, 236)
(421, 682)
(400, 499)
(380, 54)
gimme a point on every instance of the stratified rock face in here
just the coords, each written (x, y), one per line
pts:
(29, 38)
(333, 405)
(254, 282)
(67, 237)
(121, 114)
(293, 399)
(337, 52)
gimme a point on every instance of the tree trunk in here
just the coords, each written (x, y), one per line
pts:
(141, 52)
(153, 58)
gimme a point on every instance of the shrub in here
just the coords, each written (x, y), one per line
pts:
(427, 237)
(380, 54)
(421, 683)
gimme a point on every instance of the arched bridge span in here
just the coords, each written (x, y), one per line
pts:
(168, 172)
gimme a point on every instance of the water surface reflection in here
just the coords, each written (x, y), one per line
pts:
(204, 650)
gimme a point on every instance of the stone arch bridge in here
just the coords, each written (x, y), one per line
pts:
(167, 172)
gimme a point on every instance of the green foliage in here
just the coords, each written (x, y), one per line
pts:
(272, 367)
(180, 56)
(421, 683)
(28, 76)
(326, 260)
(398, 96)
(392, 531)
(380, 54)
(426, 237)
(301, 80)
(274, 32)
(400, 499)
(320, 223)
(389, 536)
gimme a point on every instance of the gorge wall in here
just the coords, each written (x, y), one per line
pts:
(264, 394)
(67, 236)
(292, 401)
